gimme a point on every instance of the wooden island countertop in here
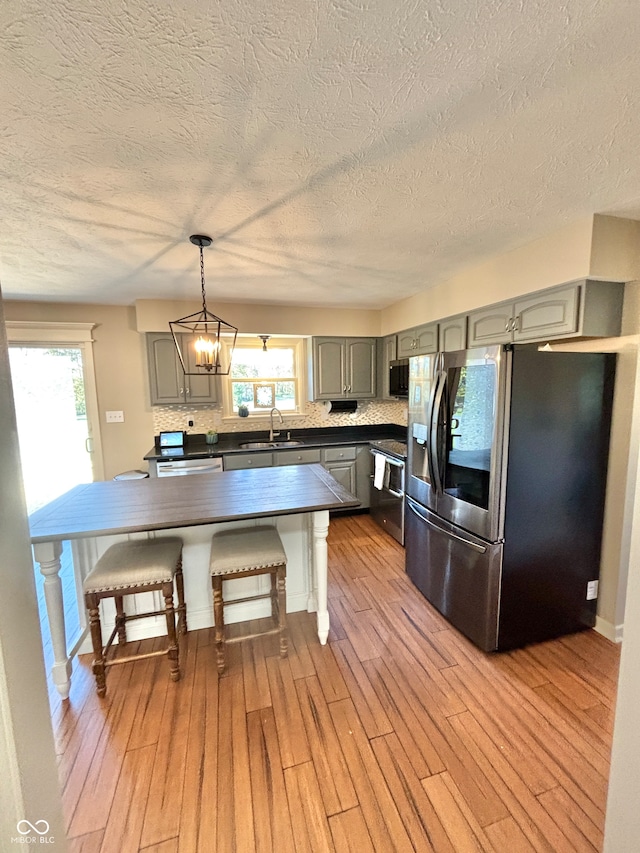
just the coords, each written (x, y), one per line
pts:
(127, 506)
(121, 508)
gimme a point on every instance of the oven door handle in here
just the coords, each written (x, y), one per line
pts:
(397, 462)
(394, 493)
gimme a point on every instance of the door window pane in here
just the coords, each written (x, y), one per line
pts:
(51, 413)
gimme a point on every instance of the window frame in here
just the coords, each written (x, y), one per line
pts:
(300, 378)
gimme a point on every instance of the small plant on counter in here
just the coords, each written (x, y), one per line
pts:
(211, 437)
(243, 411)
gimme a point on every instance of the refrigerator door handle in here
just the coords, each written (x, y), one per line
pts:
(473, 545)
(434, 461)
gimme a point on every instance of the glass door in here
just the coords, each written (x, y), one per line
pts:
(469, 440)
(54, 431)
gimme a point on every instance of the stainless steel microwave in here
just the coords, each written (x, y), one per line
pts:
(399, 378)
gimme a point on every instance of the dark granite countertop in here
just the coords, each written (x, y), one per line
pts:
(229, 442)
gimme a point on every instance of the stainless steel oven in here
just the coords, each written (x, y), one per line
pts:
(387, 488)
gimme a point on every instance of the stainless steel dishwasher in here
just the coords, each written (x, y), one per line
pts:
(387, 486)
(184, 467)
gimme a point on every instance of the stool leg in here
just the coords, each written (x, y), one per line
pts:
(182, 607)
(92, 604)
(172, 640)
(121, 620)
(218, 616)
(282, 609)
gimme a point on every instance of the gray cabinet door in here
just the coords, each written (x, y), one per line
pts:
(344, 473)
(549, 315)
(167, 382)
(166, 379)
(453, 333)
(421, 340)
(360, 355)
(490, 326)
(329, 381)
(344, 368)
(386, 353)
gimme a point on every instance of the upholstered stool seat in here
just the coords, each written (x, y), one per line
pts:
(126, 568)
(245, 552)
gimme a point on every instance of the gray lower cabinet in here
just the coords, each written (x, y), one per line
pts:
(242, 461)
(586, 308)
(349, 464)
(343, 369)
(421, 340)
(167, 382)
(297, 457)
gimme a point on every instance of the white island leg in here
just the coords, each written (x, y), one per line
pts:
(320, 566)
(47, 554)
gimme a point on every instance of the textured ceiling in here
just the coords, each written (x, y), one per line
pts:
(340, 152)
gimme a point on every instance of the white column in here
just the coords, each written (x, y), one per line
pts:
(47, 555)
(320, 570)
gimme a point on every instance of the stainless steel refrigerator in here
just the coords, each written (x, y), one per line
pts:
(506, 475)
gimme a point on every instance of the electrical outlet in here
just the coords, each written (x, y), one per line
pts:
(190, 423)
(115, 417)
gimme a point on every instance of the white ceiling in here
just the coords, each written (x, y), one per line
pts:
(341, 152)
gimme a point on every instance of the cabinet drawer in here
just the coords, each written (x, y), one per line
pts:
(297, 457)
(339, 454)
(237, 461)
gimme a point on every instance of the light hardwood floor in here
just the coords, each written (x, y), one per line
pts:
(399, 735)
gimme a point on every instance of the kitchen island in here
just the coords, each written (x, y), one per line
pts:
(296, 499)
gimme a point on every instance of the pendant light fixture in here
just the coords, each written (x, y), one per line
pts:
(198, 337)
(264, 339)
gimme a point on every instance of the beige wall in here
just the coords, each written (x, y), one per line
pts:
(154, 316)
(121, 375)
(562, 256)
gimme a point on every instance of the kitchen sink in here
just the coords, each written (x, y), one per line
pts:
(258, 445)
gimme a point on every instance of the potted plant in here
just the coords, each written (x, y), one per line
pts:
(211, 437)
(243, 411)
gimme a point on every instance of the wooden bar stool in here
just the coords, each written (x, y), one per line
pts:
(140, 565)
(241, 553)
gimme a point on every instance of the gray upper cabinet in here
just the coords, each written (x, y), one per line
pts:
(583, 309)
(420, 340)
(453, 333)
(167, 382)
(343, 368)
(387, 352)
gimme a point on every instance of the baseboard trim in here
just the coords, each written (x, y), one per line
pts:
(609, 630)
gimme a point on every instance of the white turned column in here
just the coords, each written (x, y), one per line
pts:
(47, 555)
(320, 569)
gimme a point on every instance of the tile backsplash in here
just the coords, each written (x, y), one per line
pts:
(316, 415)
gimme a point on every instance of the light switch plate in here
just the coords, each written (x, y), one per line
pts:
(592, 590)
(115, 417)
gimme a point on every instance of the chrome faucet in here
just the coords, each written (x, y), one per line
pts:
(273, 434)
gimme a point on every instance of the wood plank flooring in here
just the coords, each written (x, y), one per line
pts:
(398, 735)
